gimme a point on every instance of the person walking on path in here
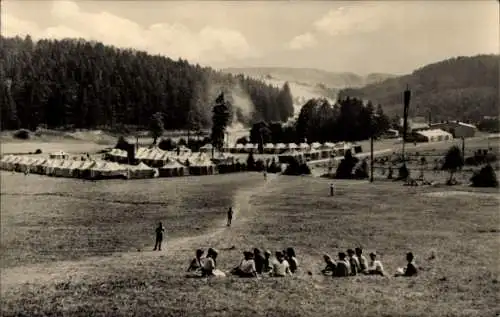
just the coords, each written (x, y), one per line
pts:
(159, 236)
(229, 216)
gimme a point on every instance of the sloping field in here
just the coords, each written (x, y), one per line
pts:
(462, 232)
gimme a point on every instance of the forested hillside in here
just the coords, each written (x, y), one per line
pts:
(463, 88)
(80, 84)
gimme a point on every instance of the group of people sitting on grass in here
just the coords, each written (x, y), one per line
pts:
(285, 263)
(354, 263)
(253, 264)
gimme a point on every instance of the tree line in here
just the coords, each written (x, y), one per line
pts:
(82, 84)
(349, 119)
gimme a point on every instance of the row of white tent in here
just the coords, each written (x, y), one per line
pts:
(156, 157)
(278, 148)
(100, 169)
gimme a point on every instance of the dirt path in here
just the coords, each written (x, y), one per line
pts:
(64, 270)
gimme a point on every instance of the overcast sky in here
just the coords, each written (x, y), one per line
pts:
(361, 37)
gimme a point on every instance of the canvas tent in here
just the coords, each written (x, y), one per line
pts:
(173, 169)
(313, 154)
(117, 155)
(59, 155)
(304, 146)
(153, 157)
(201, 165)
(239, 148)
(83, 171)
(107, 170)
(250, 147)
(315, 145)
(269, 148)
(5, 162)
(223, 158)
(141, 171)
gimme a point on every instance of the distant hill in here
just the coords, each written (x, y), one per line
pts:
(310, 76)
(465, 88)
(308, 83)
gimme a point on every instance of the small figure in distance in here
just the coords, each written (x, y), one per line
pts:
(159, 236)
(229, 216)
(410, 270)
(332, 189)
(330, 265)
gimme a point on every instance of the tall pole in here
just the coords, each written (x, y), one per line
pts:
(261, 141)
(406, 101)
(463, 148)
(371, 159)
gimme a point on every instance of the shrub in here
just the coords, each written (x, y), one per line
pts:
(38, 151)
(250, 162)
(274, 167)
(22, 134)
(296, 168)
(182, 141)
(486, 177)
(167, 144)
(242, 140)
(361, 171)
(453, 161)
(403, 172)
(346, 166)
(259, 166)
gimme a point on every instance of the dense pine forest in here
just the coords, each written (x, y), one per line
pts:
(80, 84)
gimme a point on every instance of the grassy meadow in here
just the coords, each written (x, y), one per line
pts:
(77, 248)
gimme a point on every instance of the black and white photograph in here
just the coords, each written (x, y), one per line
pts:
(292, 158)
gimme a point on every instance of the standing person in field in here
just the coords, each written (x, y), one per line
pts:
(229, 216)
(332, 189)
(159, 236)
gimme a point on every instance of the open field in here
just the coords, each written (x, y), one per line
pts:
(58, 236)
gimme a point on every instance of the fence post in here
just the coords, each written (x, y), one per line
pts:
(371, 159)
